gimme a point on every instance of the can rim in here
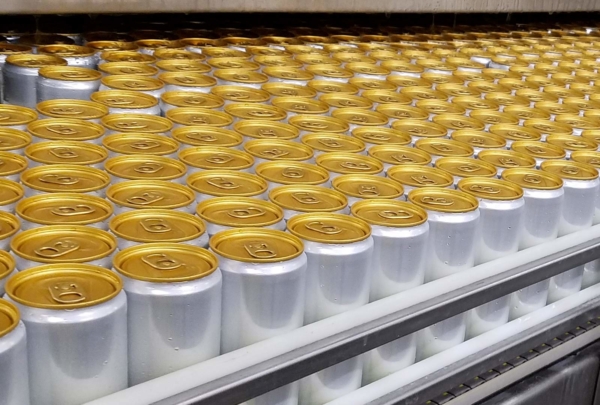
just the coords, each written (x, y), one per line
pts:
(98, 174)
(216, 172)
(184, 154)
(17, 187)
(142, 136)
(40, 146)
(100, 108)
(302, 187)
(335, 184)
(32, 114)
(21, 160)
(12, 312)
(565, 175)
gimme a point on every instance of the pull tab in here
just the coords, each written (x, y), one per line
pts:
(219, 159)
(484, 189)
(184, 68)
(594, 161)
(438, 109)
(75, 75)
(348, 103)
(146, 198)
(261, 114)
(289, 92)
(299, 107)
(368, 189)
(248, 212)
(313, 125)
(323, 228)
(241, 77)
(222, 183)
(330, 143)
(288, 75)
(437, 201)
(73, 210)
(144, 145)
(231, 65)
(376, 137)
(260, 250)
(186, 79)
(274, 153)
(61, 130)
(399, 214)
(66, 111)
(161, 261)
(67, 293)
(155, 225)
(130, 71)
(355, 166)
(468, 168)
(543, 128)
(477, 141)
(330, 89)
(422, 179)
(202, 137)
(402, 158)
(194, 100)
(237, 96)
(517, 134)
(59, 179)
(478, 105)
(119, 101)
(387, 99)
(532, 178)
(418, 131)
(59, 249)
(359, 118)
(508, 162)
(571, 170)
(148, 168)
(130, 125)
(134, 85)
(536, 149)
(440, 147)
(292, 173)
(576, 144)
(64, 153)
(306, 198)
(198, 119)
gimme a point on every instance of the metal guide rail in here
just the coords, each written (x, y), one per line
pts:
(244, 374)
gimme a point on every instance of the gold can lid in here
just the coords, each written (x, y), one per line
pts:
(547, 127)
(290, 172)
(385, 54)
(66, 152)
(352, 57)
(289, 90)
(241, 76)
(435, 64)
(441, 78)
(330, 71)
(278, 149)
(9, 225)
(329, 86)
(239, 212)
(11, 139)
(537, 149)
(329, 228)
(476, 103)
(178, 54)
(140, 167)
(68, 108)
(187, 79)
(401, 112)
(572, 142)
(367, 186)
(443, 200)
(312, 123)
(367, 68)
(457, 90)
(444, 147)
(570, 170)
(467, 75)
(11, 163)
(248, 111)
(507, 159)
(454, 122)
(536, 96)
(35, 61)
(300, 105)
(240, 94)
(140, 194)
(70, 129)
(157, 225)
(65, 178)
(389, 213)
(198, 116)
(366, 83)
(593, 134)
(466, 167)
(329, 142)
(490, 189)
(222, 183)
(492, 117)
(526, 113)
(123, 99)
(127, 68)
(308, 198)
(215, 157)
(175, 263)
(140, 144)
(515, 132)
(69, 73)
(383, 136)
(401, 66)
(63, 244)
(507, 99)
(224, 52)
(11, 115)
(576, 121)
(183, 66)
(263, 129)
(132, 82)
(386, 97)
(344, 101)
(552, 107)
(64, 286)
(137, 123)
(64, 209)
(479, 139)
(12, 49)
(288, 73)
(585, 88)
(440, 107)
(540, 80)
(157, 43)
(207, 136)
(266, 51)
(317, 59)
(563, 92)
(586, 156)
(349, 163)
(582, 104)
(463, 62)
(424, 129)
(256, 245)
(107, 45)
(191, 99)
(10, 192)
(484, 86)
(423, 93)
(127, 56)
(399, 155)
(359, 116)
(498, 74)
(277, 60)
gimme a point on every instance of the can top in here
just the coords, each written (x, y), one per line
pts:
(553, 107)
(127, 68)
(444, 147)
(484, 86)
(576, 121)
(586, 156)
(9, 225)
(66, 152)
(312, 123)
(157, 43)
(471, 76)
(330, 86)
(35, 61)
(443, 200)
(10, 192)
(581, 104)
(308, 198)
(532, 179)
(359, 116)
(191, 99)
(329, 71)
(479, 139)
(206, 136)
(65, 129)
(457, 89)
(9, 317)
(248, 111)
(401, 112)
(423, 129)
(139, 167)
(515, 132)
(383, 136)
(157, 225)
(570, 170)
(222, 183)
(441, 78)
(12, 139)
(367, 68)
(367, 186)
(150, 194)
(241, 76)
(537, 96)
(389, 213)
(399, 155)
(11, 163)
(526, 113)
(352, 57)
(198, 116)
(182, 66)
(301, 105)
(224, 52)
(11, 115)
(64, 208)
(69, 178)
(440, 107)
(423, 93)
(572, 142)
(215, 157)
(11, 49)
(127, 56)
(329, 228)
(136, 123)
(317, 59)
(327, 142)
(291, 172)
(476, 103)
(63, 243)
(506, 159)
(68, 108)
(256, 245)
(109, 45)
(266, 50)
(386, 97)
(64, 286)
(277, 149)
(401, 66)
(132, 82)
(507, 99)
(69, 73)
(348, 163)
(366, 83)
(420, 176)
(288, 89)
(140, 144)
(490, 189)
(123, 99)
(492, 117)
(239, 212)
(178, 54)
(240, 94)
(537, 149)
(186, 79)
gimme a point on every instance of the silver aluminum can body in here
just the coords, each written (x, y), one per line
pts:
(591, 274)
(441, 336)
(541, 217)
(212, 228)
(528, 299)
(19, 85)
(83, 348)
(201, 241)
(14, 374)
(190, 208)
(50, 89)
(171, 325)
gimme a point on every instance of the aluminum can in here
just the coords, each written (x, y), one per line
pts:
(246, 111)
(438, 148)
(66, 82)
(540, 151)
(147, 194)
(581, 186)
(453, 218)
(526, 113)
(267, 150)
(232, 63)
(207, 136)
(69, 244)
(14, 376)
(76, 321)
(402, 68)
(262, 129)
(7, 49)
(136, 123)
(284, 74)
(400, 234)
(334, 100)
(176, 99)
(221, 51)
(359, 187)
(264, 288)
(572, 143)
(187, 81)
(289, 90)
(65, 129)
(382, 97)
(282, 172)
(126, 56)
(148, 85)
(479, 140)
(127, 68)
(453, 122)
(221, 183)
(66, 152)
(13, 166)
(188, 116)
(241, 77)
(464, 167)
(126, 102)
(294, 105)
(14, 141)
(420, 129)
(577, 123)
(339, 163)
(506, 159)
(546, 128)
(7, 269)
(339, 251)
(10, 193)
(64, 209)
(358, 118)
(307, 124)
(145, 167)
(16, 117)
(367, 70)
(323, 142)
(555, 109)
(140, 144)
(297, 199)
(10, 225)
(592, 158)
(64, 178)
(412, 176)
(201, 158)
(501, 206)
(382, 136)
(67, 108)
(437, 107)
(240, 94)
(512, 133)
(80, 56)
(397, 155)
(223, 213)
(19, 76)
(183, 66)
(113, 44)
(329, 72)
